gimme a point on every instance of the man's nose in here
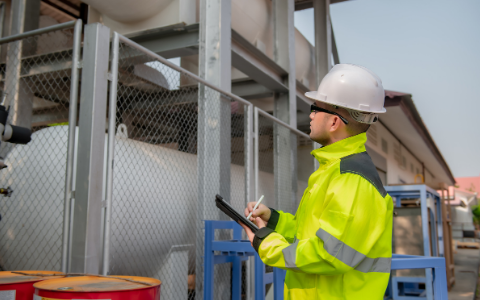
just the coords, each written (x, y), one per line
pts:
(312, 115)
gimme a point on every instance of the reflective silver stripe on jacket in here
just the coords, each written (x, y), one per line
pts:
(290, 255)
(352, 257)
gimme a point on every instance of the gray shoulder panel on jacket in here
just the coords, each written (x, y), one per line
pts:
(361, 164)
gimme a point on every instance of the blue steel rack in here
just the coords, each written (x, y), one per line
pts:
(235, 251)
(430, 205)
(437, 266)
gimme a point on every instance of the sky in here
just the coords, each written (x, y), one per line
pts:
(427, 48)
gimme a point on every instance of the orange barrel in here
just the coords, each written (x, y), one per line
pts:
(15, 286)
(93, 287)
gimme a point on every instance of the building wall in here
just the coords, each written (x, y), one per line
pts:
(401, 166)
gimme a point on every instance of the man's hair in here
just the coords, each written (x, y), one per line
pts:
(353, 127)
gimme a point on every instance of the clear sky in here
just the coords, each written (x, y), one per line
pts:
(427, 48)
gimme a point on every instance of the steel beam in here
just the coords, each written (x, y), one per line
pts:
(336, 58)
(87, 217)
(179, 40)
(25, 17)
(285, 108)
(72, 128)
(258, 66)
(214, 118)
(173, 41)
(323, 44)
(323, 38)
(50, 117)
(250, 89)
(284, 56)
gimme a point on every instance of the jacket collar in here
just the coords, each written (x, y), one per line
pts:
(337, 150)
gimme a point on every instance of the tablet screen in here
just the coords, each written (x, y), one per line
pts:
(232, 213)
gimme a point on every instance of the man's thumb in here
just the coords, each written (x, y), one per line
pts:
(259, 222)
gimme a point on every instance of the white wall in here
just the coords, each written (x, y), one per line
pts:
(396, 173)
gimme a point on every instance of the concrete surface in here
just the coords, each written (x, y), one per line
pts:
(466, 274)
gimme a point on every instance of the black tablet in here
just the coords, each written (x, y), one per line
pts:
(232, 213)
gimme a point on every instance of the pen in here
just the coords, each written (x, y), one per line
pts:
(255, 207)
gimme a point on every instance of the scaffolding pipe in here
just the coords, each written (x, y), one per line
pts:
(72, 121)
(111, 152)
(31, 33)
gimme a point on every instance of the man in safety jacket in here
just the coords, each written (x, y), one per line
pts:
(338, 245)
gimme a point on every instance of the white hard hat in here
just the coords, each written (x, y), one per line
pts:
(354, 88)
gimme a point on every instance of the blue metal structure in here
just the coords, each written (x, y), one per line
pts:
(235, 251)
(430, 206)
(438, 272)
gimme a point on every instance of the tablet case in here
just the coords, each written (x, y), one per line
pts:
(232, 213)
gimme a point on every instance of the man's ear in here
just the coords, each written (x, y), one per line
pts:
(335, 123)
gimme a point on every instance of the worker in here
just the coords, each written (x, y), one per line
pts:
(338, 245)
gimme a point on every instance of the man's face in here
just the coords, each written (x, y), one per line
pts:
(319, 125)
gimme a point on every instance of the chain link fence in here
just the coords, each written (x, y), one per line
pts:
(283, 162)
(163, 175)
(177, 142)
(36, 75)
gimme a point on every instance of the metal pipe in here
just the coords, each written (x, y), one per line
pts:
(72, 121)
(110, 152)
(27, 34)
(248, 153)
(256, 136)
(269, 116)
(179, 69)
(2, 16)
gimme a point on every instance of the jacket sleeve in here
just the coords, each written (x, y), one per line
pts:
(352, 220)
(283, 223)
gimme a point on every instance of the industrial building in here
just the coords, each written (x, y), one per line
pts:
(142, 111)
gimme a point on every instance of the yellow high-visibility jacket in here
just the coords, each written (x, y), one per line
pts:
(339, 243)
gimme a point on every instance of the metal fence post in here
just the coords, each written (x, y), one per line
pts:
(110, 152)
(86, 232)
(285, 107)
(214, 129)
(249, 154)
(256, 149)
(72, 125)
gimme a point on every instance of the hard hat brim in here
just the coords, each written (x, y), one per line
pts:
(313, 96)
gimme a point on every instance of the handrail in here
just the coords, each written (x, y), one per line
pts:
(39, 31)
(265, 114)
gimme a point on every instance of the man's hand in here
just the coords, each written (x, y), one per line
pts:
(262, 211)
(258, 221)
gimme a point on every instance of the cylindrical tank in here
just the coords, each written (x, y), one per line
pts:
(93, 287)
(19, 285)
(154, 202)
(252, 19)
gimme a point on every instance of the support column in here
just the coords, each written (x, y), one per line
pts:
(323, 43)
(285, 107)
(214, 142)
(87, 217)
(323, 38)
(25, 16)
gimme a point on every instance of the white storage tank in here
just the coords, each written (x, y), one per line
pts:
(252, 19)
(154, 203)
